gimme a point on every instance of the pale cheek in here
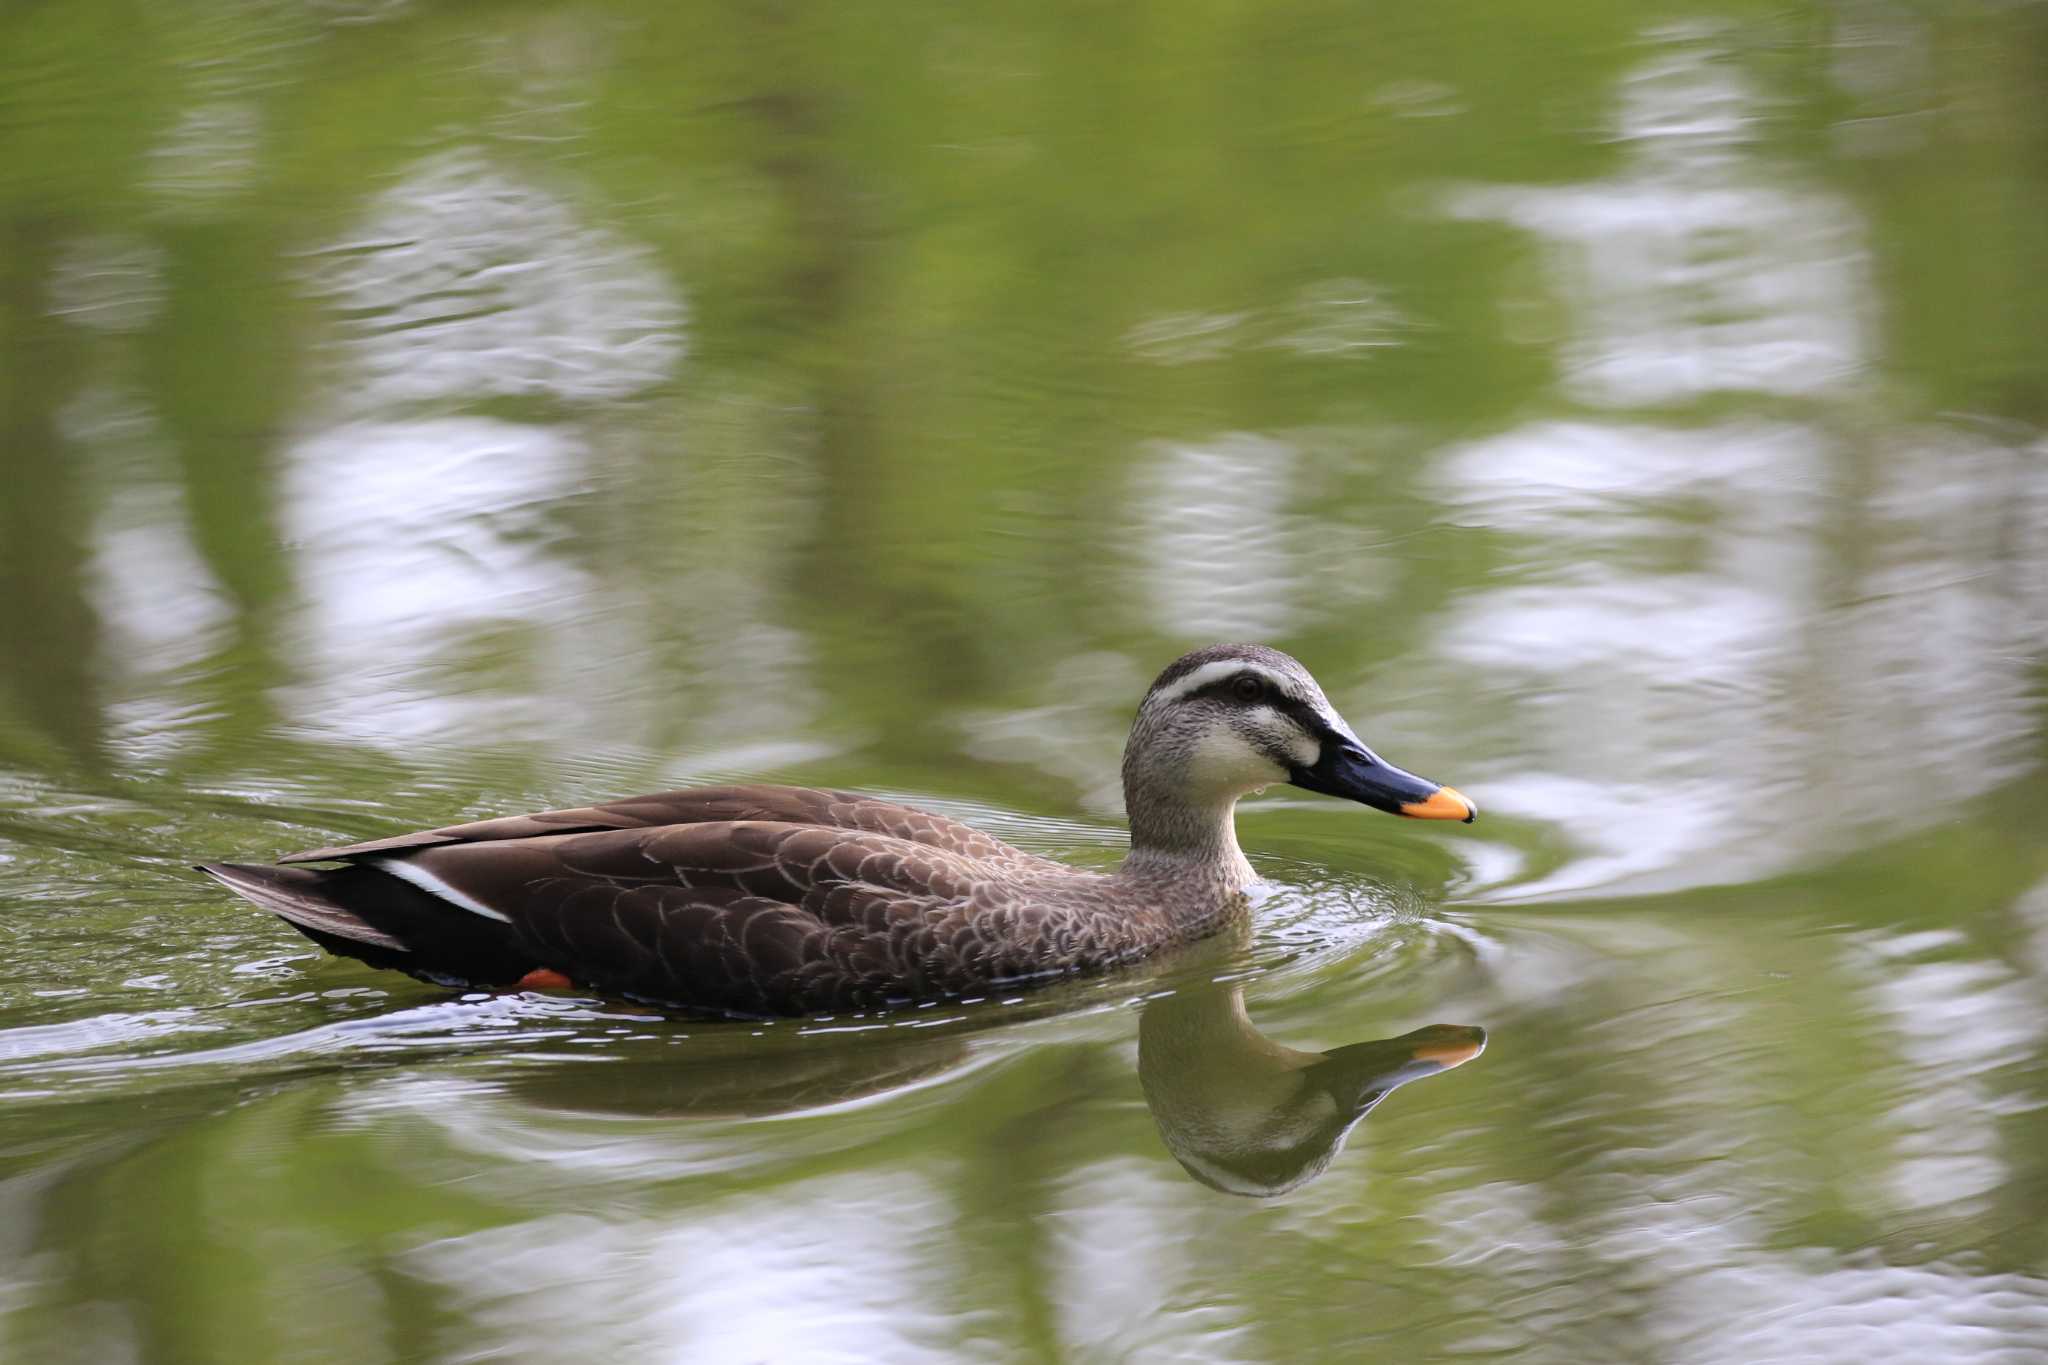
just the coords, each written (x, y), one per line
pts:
(1225, 764)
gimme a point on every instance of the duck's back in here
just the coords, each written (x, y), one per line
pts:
(813, 806)
(747, 899)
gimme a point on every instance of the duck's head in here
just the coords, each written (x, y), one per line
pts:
(1226, 720)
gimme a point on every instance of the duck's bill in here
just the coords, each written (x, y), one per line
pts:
(1444, 1046)
(1372, 1069)
(1358, 774)
(1445, 803)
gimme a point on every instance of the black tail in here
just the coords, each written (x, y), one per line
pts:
(361, 912)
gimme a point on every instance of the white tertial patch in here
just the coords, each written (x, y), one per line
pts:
(1217, 671)
(434, 886)
(1223, 762)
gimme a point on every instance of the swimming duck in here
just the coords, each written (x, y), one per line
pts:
(760, 900)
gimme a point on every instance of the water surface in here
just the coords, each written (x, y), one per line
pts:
(414, 413)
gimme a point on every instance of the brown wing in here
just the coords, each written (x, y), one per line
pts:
(702, 805)
(755, 916)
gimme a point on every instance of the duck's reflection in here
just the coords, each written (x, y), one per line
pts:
(1246, 1115)
(1239, 1111)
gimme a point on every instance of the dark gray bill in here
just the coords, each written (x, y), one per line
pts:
(1356, 773)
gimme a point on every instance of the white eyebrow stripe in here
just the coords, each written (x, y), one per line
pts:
(434, 886)
(1215, 672)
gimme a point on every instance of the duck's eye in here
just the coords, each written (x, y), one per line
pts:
(1248, 689)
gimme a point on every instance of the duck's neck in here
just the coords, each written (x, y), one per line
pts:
(1175, 840)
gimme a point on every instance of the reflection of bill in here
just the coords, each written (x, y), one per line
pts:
(1246, 1115)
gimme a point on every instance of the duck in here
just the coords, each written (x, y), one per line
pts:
(756, 901)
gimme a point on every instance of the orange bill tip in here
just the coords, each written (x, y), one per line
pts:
(1445, 803)
(1451, 1053)
(1445, 1045)
(543, 979)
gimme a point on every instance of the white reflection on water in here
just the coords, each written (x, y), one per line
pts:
(1340, 319)
(98, 1031)
(1684, 642)
(108, 282)
(827, 1270)
(462, 282)
(435, 550)
(1125, 1287)
(161, 610)
(160, 607)
(1606, 662)
(424, 546)
(1692, 271)
(2031, 912)
(210, 153)
(1958, 1022)
(1217, 537)
(1419, 99)
(1931, 661)
(1336, 319)
(1669, 578)
(1186, 338)
(1707, 1284)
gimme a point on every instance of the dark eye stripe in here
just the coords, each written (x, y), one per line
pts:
(1299, 711)
(1301, 714)
(1225, 689)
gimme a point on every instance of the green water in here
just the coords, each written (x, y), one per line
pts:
(413, 412)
